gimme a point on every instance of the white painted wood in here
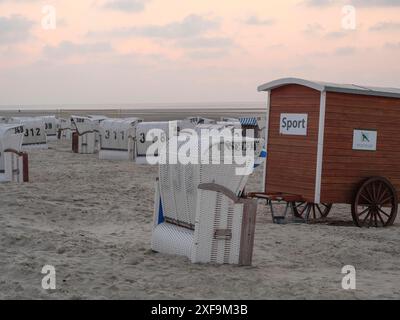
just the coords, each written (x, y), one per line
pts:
(320, 147)
(266, 140)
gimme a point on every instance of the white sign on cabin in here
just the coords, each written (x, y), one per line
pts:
(365, 140)
(293, 124)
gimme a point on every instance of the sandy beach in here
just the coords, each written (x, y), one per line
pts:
(92, 220)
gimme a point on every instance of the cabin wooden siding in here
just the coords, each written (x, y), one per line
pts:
(291, 160)
(344, 168)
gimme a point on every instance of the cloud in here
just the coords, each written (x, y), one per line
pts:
(345, 51)
(20, 1)
(256, 21)
(206, 47)
(190, 26)
(318, 30)
(67, 48)
(336, 34)
(386, 26)
(203, 42)
(376, 3)
(319, 3)
(14, 29)
(358, 3)
(392, 45)
(313, 29)
(126, 5)
(207, 54)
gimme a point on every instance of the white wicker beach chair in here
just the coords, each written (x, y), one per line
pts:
(34, 132)
(13, 162)
(97, 120)
(86, 138)
(199, 212)
(52, 125)
(144, 139)
(65, 129)
(118, 139)
(192, 122)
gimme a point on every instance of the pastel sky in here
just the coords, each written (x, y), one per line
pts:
(159, 51)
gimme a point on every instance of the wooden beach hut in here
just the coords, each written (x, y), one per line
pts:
(333, 143)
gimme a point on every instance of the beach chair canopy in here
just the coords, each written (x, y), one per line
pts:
(191, 122)
(65, 124)
(199, 120)
(34, 131)
(145, 135)
(83, 124)
(179, 182)
(97, 118)
(248, 121)
(230, 121)
(116, 133)
(52, 125)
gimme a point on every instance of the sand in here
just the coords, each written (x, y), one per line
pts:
(92, 220)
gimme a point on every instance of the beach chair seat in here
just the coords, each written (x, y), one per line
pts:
(199, 212)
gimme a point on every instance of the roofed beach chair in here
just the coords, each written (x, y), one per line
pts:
(146, 135)
(34, 132)
(52, 125)
(199, 209)
(65, 129)
(13, 162)
(85, 139)
(97, 120)
(192, 122)
(117, 139)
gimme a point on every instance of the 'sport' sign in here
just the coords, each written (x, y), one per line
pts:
(293, 124)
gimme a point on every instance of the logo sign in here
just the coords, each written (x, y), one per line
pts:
(364, 140)
(293, 124)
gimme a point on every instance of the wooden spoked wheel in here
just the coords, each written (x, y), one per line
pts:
(375, 203)
(311, 211)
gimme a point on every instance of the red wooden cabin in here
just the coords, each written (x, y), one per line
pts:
(331, 143)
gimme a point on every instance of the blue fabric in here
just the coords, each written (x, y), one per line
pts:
(248, 121)
(160, 213)
(261, 158)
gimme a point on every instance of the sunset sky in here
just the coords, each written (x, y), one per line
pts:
(158, 51)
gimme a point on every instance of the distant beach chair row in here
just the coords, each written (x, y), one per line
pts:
(19, 135)
(130, 138)
(37, 131)
(198, 208)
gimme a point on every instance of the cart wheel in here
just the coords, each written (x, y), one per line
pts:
(375, 203)
(311, 211)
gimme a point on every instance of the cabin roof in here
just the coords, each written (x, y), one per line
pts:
(333, 87)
